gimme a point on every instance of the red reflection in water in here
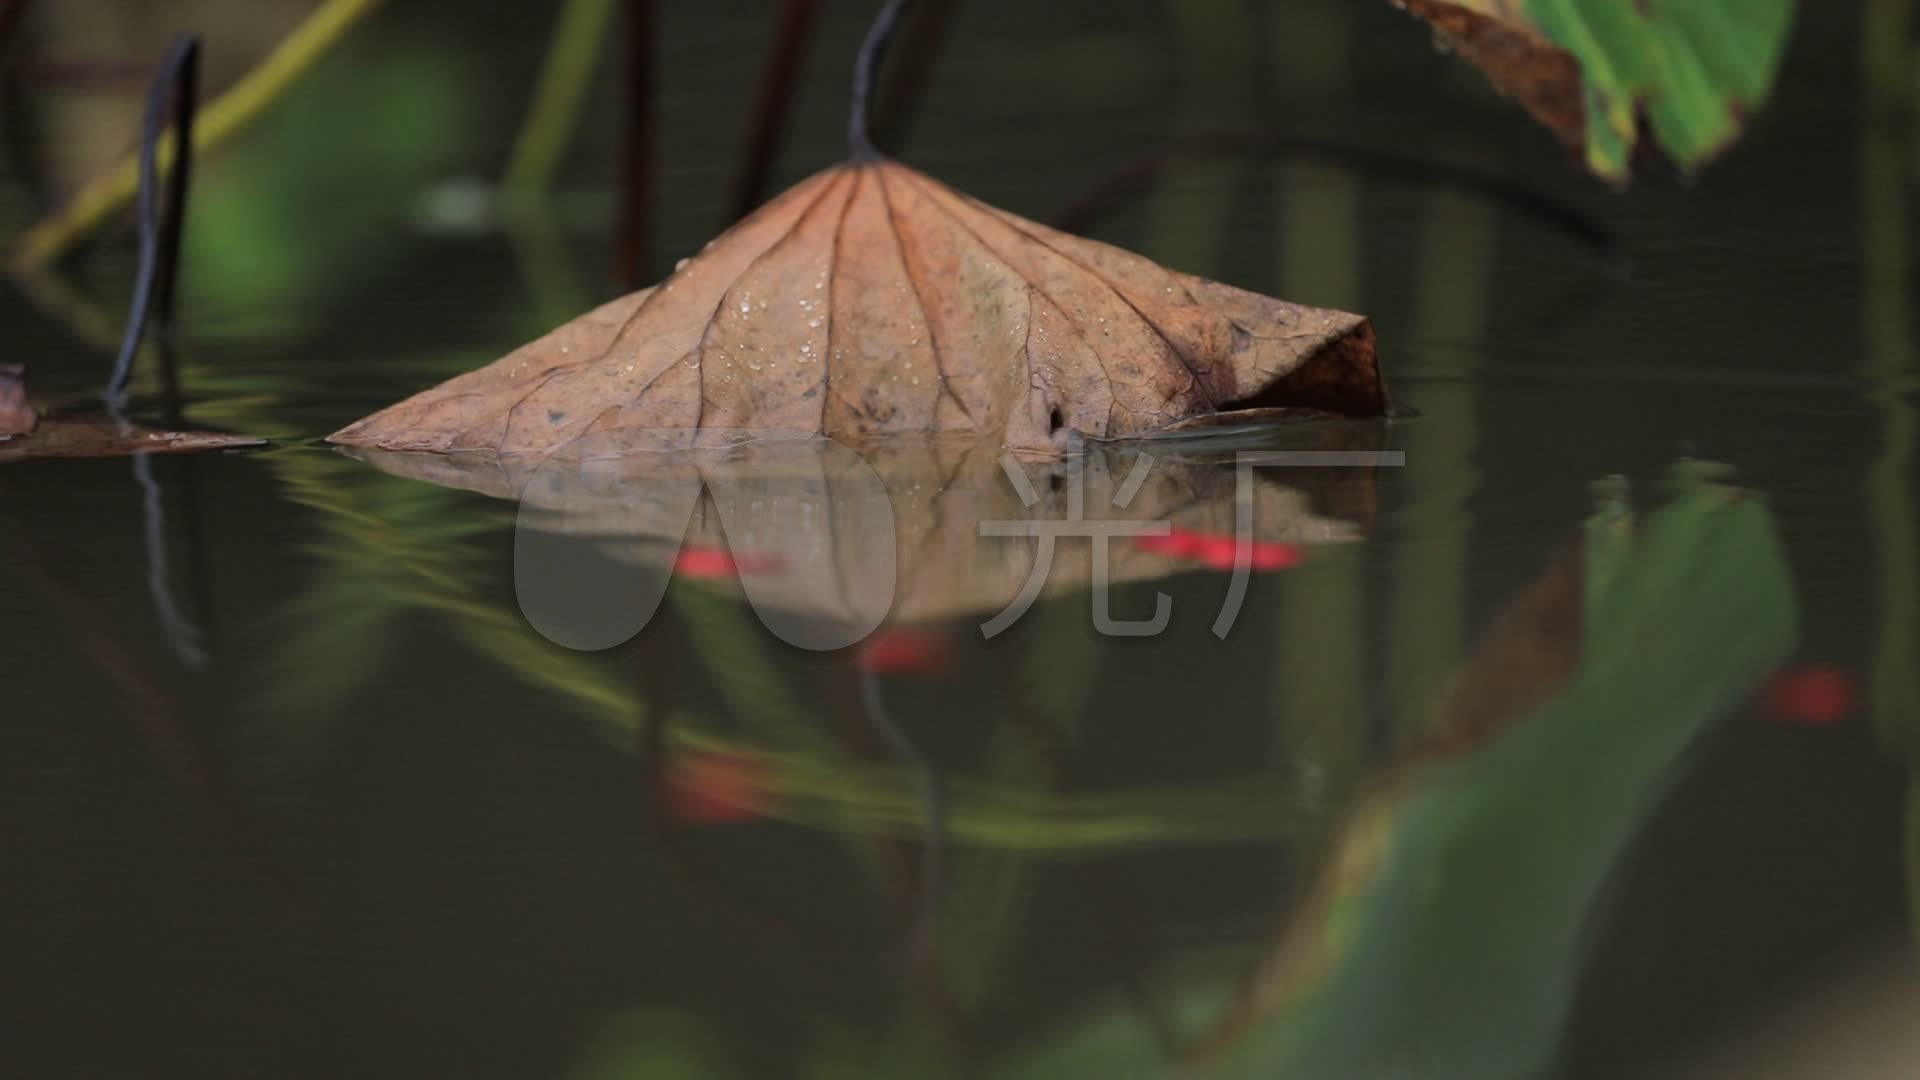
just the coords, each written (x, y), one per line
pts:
(1220, 551)
(699, 562)
(708, 788)
(1178, 543)
(1815, 695)
(889, 651)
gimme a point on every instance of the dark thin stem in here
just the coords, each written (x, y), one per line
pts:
(1144, 172)
(776, 103)
(10, 12)
(186, 95)
(932, 794)
(175, 91)
(183, 636)
(906, 82)
(866, 68)
(159, 238)
(636, 147)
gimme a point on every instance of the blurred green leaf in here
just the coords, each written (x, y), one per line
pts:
(647, 1045)
(1445, 939)
(1590, 69)
(312, 198)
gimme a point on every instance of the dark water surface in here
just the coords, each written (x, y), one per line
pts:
(289, 786)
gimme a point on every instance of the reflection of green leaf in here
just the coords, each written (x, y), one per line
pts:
(725, 633)
(340, 628)
(1057, 663)
(1446, 938)
(831, 791)
(391, 547)
(843, 1054)
(1056, 653)
(650, 1046)
(265, 402)
(355, 630)
(1461, 951)
(1118, 1043)
(388, 549)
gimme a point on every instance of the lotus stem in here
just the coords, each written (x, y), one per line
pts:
(174, 86)
(866, 67)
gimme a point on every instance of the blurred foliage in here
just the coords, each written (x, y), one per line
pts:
(345, 142)
(1697, 69)
(650, 1046)
(392, 551)
(1486, 858)
(294, 235)
(91, 57)
(1447, 934)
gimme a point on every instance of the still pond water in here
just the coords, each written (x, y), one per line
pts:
(1485, 787)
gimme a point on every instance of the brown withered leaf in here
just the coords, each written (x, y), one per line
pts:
(16, 413)
(95, 435)
(25, 435)
(871, 300)
(1538, 75)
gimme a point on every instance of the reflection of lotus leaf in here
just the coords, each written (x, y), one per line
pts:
(1446, 937)
(899, 530)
